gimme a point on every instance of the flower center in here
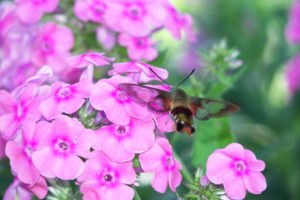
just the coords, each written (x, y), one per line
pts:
(20, 111)
(108, 177)
(46, 46)
(140, 42)
(98, 8)
(240, 166)
(121, 130)
(135, 11)
(64, 92)
(121, 95)
(169, 161)
(63, 146)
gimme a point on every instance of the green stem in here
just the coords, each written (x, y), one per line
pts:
(136, 195)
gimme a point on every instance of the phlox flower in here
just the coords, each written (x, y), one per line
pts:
(138, 71)
(292, 31)
(31, 11)
(60, 143)
(121, 142)
(118, 106)
(88, 61)
(104, 179)
(65, 98)
(292, 74)
(19, 153)
(90, 10)
(159, 160)
(237, 169)
(177, 22)
(137, 18)
(138, 48)
(19, 190)
(18, 109)
(106, 37)
(52, 46)
(15, 52)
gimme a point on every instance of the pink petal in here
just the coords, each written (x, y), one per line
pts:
(160, 180)
(234, 185)
(255, 182)
(137, 110)
(234, 150)
(70, 106)
(28, 93)
(152, 158)
(8, 126)
(6, 101)
(28, 13)
(118, 153)
(135, 54)
(150, 54)
(217, 165)
(115, 112)
(86, 141)
(252, 162)
(40, 189)
(100, 93)
(65, 44)
(126, 172)
(49, 108)
(175, 178)
(28, 129)
(44, 161)
(50, 5)
(142, 137)
(83, 89)
(67, 168)
(120, 191)
(58, 63)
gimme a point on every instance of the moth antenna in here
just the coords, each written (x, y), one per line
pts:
(158, 76)
(188, 76)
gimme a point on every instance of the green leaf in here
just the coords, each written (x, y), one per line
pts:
(210, 135)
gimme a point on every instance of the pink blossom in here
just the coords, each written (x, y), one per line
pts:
(18, 190)
(52, 46)
(118, 106)
(137, 18)
(106, 37)
(292, 74)
(90, 10)
(159, 159)
(292, 30)
(105, 179)
(18, 109)
(15, 52)
(138, 72)
(60, 143)
(136, 137)
(138, 48)
(19, 153)
(237, 169)
(31, 11)
(176, 23)
(65, 98)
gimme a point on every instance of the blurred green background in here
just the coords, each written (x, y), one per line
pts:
(269, 121)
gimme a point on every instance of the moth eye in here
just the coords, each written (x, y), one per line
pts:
(192, 129)
(179, 126)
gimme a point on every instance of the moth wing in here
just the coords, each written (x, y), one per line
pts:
(157, 100)
(204, 109)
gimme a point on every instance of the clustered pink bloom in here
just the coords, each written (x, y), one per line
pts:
(136, 21)
(237, 169)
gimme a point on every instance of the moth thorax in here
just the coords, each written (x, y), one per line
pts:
(183, 117)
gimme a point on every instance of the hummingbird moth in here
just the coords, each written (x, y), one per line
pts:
(182, 107)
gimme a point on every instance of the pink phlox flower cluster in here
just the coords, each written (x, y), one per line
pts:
(136, 21)
(31, 11)
(292, 31)
(237, 169)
